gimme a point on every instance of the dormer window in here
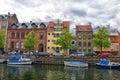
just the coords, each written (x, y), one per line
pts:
(24, 25)
(14, 26)
(1, 17)
(42, 25)
(34, 25)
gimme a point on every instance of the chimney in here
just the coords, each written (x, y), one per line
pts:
(8, 14)
(30, 21)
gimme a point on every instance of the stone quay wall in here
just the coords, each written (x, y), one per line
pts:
(60, 60)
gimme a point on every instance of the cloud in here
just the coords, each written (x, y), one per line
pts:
(98, 12)
(29, 3)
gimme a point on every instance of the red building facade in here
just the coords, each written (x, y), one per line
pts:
(17, 33)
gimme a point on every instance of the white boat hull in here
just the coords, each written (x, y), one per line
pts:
(2, 60)
(20, 63)
(66, 63)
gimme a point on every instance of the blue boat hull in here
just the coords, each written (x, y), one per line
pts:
(107, 66)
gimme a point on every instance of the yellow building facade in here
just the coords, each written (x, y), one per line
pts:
(53, 33)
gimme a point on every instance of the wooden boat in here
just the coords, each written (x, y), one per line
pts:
(17, 59)
(75, 63)
(103, 63)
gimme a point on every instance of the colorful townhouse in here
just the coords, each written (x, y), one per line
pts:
(17, 33)
(5, 21)
(53, 33)
(84, 36)
(114, 39)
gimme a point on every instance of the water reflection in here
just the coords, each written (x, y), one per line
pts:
(18, 72)
(76, 72)
(54, 72)
(109, 74)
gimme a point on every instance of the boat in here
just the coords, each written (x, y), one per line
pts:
(18, 59)
(2, 60)
(104, 63)
(75, 63)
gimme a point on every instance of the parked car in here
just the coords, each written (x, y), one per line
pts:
(105, 55)
(42, 54)
(90, 54)
(77, 54)
(28, 53)
(57, 54)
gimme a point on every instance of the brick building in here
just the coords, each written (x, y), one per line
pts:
(17, 32)
(5, 21)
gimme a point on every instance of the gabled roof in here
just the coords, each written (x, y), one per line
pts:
(83, 28)
(41, 25)
(6, 16)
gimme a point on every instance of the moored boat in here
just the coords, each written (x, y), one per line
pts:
(75, 63)
(104, 63)
(2, 60)
(18, 59)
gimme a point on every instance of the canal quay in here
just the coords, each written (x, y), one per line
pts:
(60, 60)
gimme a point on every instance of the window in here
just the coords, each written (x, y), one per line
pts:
(84, 44)
(18, 35)
(48, 33)
(17, 44)
(4, 23)
(22, 35)
(53, 34)
(73, 42)
(41, 35)
(80, 50)
(48, 47)
(89, 50)
(89, 36)
(22, 45)
(84, 36)
(13, 35)
(89, 44)
(58, 24)
(12, 45)
(84, 50)
(53, 48)
(54, 41)
(80, 44)
(48, 40)
(80, 36)
(42, 25)
(56, 35)
(57, 29)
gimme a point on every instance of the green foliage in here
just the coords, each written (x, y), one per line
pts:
(2, 38)
(101, 39)
(65, 40)
(31, 41)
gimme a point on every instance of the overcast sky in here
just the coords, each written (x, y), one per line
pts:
(98, 12)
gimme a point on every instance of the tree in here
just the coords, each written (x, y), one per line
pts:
(2, 38)
(65, 40)
(101, 39)
(30, 41)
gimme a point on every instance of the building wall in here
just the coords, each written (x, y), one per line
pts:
(41, 45)
(53, 33)
(84, 38)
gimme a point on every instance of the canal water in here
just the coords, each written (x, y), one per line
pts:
(55, 72)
